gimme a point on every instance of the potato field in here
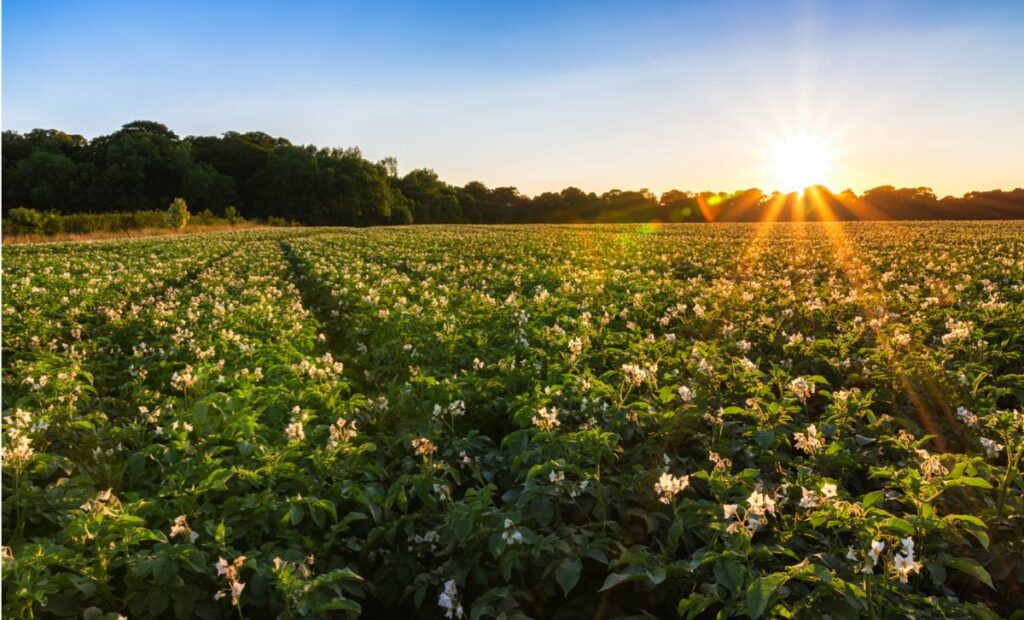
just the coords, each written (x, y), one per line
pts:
(699, 421)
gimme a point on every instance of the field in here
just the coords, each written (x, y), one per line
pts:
(507, 422)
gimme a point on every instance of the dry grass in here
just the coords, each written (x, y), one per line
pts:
(139, 232)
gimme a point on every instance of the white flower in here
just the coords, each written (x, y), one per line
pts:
(705, 367)
(901, 339)
(295, 432)
(342, 431)
(634, 374)
(810, 499)
(992, 448)
(908, 545)
(829, 490)
(180, 526)
(668, 486)
(686, 394)
(810, 442)
(448, 600)
(230, 573)
(876, 548)
(444, 494)
(958, 330)
(575, 347)
(511, 535)
(930, 464)
(546, 419)
(759, 506)
(966, 416)
(801, 388)
(423, 446)
(904, 563)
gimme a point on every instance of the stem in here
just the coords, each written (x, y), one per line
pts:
(19, 520)
(1011, 465)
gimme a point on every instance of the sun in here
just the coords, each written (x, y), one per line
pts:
(799, 161)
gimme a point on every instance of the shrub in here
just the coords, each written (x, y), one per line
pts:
(52, 223)
(231, 213)
(177, 214)
(22, 220)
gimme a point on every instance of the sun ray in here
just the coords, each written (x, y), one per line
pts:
(872, 302)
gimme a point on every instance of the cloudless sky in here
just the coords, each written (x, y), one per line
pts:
(542, 95)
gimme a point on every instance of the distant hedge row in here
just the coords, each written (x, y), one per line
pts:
(22, 220)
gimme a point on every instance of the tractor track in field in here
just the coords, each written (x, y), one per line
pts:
(315, 296)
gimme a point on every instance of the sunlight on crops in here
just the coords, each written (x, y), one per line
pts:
(538, 421)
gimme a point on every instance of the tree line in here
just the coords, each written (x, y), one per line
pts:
(144, 166)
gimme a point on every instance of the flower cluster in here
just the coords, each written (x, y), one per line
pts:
(230, 572)
(801, 388)
(546, 419)
(668, 486)
(810, 442)
(449, 600)
(903, 563)
(295, 431)
(423, 446)
(342, 432)
(180, 527)
(19, 448)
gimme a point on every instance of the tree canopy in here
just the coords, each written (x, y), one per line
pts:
(144, 166)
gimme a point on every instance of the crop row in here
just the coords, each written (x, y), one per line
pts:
(518, 422)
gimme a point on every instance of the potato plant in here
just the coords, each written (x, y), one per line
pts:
(517, 422)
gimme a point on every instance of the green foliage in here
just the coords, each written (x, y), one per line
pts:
(232, 215)
(144, 165)
(605, 421)
(278, 222)
(22, 220)
(28, 221)
(177, 214)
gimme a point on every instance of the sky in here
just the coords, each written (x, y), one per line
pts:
(543, 95)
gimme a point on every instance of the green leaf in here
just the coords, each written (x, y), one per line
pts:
(764, 439)
(969, 481)
(568, 574)
(657, 575)
(342, 604)
(899, 525)
(693, 605)
(615, 579)
(295, 513)
(729, 574)
(199, 412)
(872, 498)
(761, 591)
(975, 526)
(971, 567)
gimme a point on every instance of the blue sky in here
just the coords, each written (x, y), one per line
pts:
(689, 95)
